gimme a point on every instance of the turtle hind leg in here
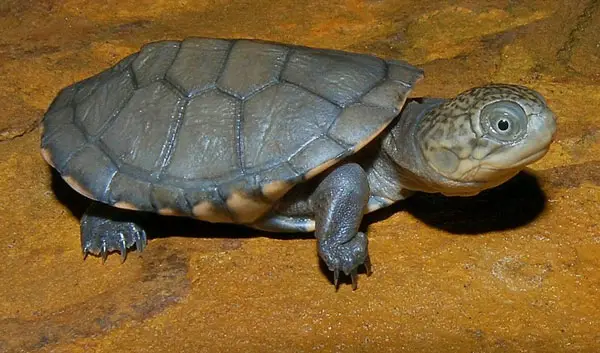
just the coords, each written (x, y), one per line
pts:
(339, 204)
(105, 229)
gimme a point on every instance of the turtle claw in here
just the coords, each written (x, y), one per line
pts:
(85, 250)
(354, 278)
(367, 264)
(104, 252)
(346, 257)
(140, 242)
(103, 231)
(123, 247)
(336, 278)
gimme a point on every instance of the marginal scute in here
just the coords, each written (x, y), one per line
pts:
(126, 189)
(276, 189)
(169, 212)
(126, 206)
(92, 169)
(206, 211)
(317, 156)
(88, 86)
(367, 140)
(56, 119)
(63, 143)
(320, 168)
(74, 184)
(246, 208)
(124, 63)
(404, 72)
(387, 94)
(64, 98)
(274, 182)
(47, 155)
(166, 197)
(358, 123)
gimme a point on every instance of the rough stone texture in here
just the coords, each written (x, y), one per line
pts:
(513, 270)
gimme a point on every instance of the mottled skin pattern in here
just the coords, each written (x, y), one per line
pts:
(278, 138)
(460, 144)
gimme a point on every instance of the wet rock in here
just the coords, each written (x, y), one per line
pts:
(513, 269)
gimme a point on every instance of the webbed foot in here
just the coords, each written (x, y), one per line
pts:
(106, 229)
(347, 258)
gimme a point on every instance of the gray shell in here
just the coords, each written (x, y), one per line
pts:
(218, 129)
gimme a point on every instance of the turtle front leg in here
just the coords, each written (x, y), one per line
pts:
(105, 229)
(339, 203)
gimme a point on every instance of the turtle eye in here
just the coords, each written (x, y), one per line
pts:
(504, 120)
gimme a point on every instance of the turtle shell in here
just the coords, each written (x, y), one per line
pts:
(218, 129)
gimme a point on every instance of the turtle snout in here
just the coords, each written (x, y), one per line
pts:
(543, 128)
(552, 120)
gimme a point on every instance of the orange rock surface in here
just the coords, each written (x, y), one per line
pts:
(515, 269)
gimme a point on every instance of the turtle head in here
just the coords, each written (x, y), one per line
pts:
(484, 137)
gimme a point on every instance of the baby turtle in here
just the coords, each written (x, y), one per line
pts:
(277, 137)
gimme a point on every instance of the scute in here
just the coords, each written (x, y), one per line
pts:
(280, 120)
(246, 208)
(339, 77)
(207, 204)
(63, 99)
(94, 112)
(213, 128)
(62, 144)
(276, 181)
(83, 89)
(208, 137)
(139, 134)
(386, 92)
(311, 156)
(92, 169)
(250, 67)
(126, 189)
(207, 211)
(198, 64)
(165, 197)
(154, 61)
(54, 120)
(350, 126)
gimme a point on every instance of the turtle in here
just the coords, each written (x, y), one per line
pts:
(278, 137)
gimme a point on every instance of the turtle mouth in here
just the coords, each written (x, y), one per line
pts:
(517, 156)
(486, 171)
(533, 158)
